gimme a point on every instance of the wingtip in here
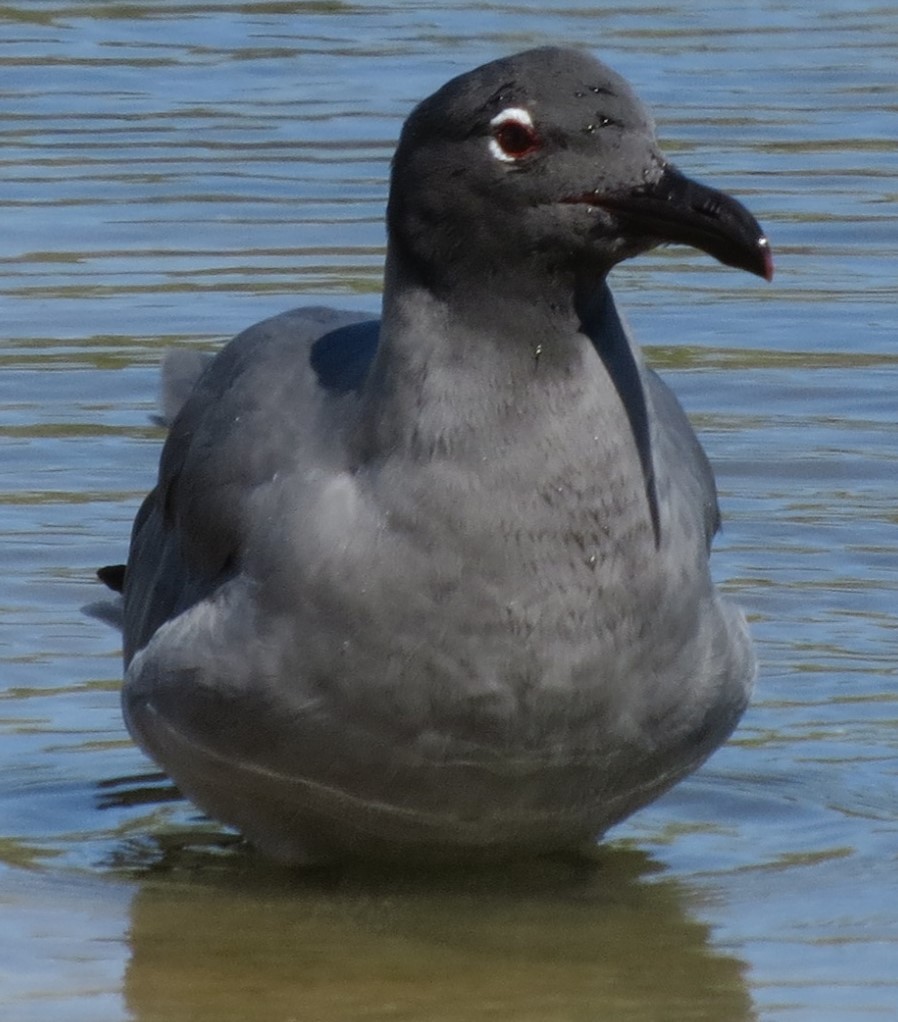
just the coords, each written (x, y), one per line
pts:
(112, 576)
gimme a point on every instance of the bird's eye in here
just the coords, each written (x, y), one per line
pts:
(516, 140)
(514, 135)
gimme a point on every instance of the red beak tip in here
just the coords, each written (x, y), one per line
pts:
(768, 260)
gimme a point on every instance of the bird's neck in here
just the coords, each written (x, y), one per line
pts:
(483, 361)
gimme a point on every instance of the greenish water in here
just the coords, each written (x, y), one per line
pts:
(170, 173)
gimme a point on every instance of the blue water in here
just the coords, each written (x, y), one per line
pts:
(170, 173)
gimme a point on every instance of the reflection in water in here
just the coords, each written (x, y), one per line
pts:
(135, 790)
(230, 937)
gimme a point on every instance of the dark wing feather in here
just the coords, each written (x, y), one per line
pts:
(240, 425)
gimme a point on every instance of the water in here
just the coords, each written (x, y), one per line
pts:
(172, 172)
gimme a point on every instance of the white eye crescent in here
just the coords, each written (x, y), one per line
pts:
(514, 135)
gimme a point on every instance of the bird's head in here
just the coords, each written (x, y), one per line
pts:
(547, 158)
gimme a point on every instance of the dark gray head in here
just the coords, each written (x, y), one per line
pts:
(548, 159)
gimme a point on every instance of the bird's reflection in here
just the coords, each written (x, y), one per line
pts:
(136, 790)
(216, 933)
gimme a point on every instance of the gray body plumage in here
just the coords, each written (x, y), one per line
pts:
(438, 586)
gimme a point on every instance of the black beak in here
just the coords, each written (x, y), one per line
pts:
(676, 209)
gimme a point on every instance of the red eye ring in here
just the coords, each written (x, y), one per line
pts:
(516, 140)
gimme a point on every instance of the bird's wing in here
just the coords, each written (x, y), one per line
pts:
(250, 414)
(682, 458)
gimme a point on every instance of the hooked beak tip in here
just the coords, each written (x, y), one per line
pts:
(767, 259)
(674, 209)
